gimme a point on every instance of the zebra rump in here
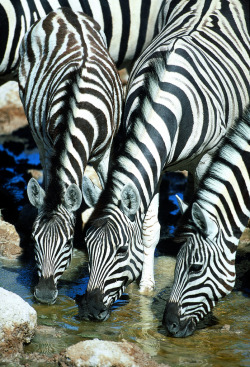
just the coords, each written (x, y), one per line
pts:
(72, 97)
(129, 26)
(210, 229)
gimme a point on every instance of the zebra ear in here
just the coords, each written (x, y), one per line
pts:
(203, 221)
(90, 192)
(35, 193)
(182, 205)
(130, 201)
(73, 198)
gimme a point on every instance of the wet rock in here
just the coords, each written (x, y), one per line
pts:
(9, 240)
(99, 353)
(17, 322)
(226, 327)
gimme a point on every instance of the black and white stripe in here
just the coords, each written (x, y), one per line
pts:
(129, 26)
(72, 97)
(210, 229)
(185, 91)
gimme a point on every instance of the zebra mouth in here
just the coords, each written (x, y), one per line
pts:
(46, 290)
(185, 329)
(48, 299)
(92, 308)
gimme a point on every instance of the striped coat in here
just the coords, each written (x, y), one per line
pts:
(185, 91)
(72, 97)
(210, 230)
(129, 26)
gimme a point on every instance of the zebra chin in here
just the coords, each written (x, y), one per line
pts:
(46, 290)
(174, 326)
(91, 306)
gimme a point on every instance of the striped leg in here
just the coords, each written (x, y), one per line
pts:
(150, 237)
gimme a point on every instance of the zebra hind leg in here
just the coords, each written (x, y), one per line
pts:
(150, 237)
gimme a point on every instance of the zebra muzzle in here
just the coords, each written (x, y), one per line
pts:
(46, 290)
(91, 306)
(174, 326)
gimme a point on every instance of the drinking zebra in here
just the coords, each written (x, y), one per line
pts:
(72, 97)
(185, 91)
(210, 229)
(129, 26)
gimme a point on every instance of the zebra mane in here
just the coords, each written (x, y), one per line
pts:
(236, 138)
(127, 134)
(56, 188)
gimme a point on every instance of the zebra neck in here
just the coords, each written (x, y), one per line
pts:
(224, 191)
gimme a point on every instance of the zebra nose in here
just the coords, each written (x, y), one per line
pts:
(96, 308)
(171, 319)
(46, 291)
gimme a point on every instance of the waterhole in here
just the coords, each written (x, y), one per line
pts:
(135, 318)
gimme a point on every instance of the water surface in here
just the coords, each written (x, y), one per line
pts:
(135, 318)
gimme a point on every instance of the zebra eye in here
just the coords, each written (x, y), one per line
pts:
(68, 244)
(195, 267)
(121, 251)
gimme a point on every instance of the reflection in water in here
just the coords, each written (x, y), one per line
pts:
(135, 318)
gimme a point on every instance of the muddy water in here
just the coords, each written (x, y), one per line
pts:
(135, 318)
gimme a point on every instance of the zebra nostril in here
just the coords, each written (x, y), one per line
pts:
(174, 326)
(103, 315)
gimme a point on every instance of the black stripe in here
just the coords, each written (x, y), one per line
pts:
(125, 30)
(108, 22)
(144, 15)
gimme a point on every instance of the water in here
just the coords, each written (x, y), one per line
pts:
(135, 318)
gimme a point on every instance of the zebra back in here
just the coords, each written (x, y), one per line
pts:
(129, 26)
(210, 229)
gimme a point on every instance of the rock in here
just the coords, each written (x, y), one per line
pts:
(12, 115)
(9, 240)
(226, 327)
(18, 321)
(99, 353)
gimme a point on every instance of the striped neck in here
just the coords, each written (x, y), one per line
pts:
(224, 191)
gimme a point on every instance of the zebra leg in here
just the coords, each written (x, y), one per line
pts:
(150, 238)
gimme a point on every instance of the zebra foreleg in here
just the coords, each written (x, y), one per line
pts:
(150, 238)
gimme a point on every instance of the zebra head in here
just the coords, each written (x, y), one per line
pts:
(203, 275)
(53, 232)
(115, 250)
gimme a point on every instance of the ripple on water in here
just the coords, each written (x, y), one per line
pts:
(135, 317)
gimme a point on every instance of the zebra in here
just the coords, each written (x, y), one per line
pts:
(129, 26)
(72, 96)
(184, 92)
(210, 229)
